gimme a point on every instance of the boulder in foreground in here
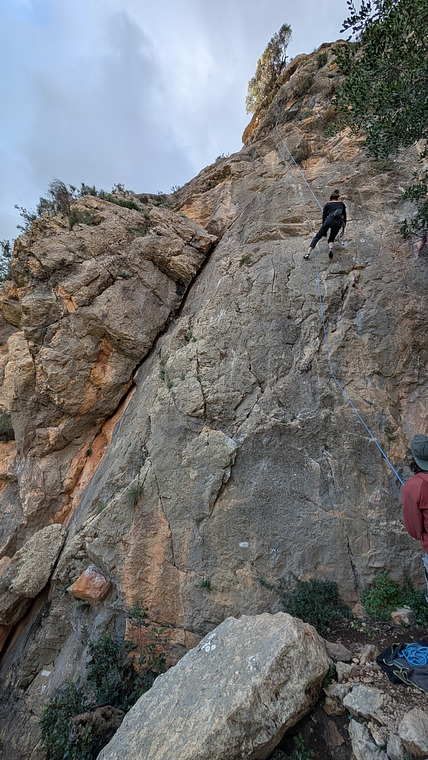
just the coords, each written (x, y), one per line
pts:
(233, 696)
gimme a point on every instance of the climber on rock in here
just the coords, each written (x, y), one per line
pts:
(414, 496)
(333, 219)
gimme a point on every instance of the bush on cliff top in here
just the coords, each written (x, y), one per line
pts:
(59, 199)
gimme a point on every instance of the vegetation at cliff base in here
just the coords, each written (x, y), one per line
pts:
(314, 601)
(269, 66)
(387, 596)
(113, 678)
(300, 751)
(386, 80)
(54, 725)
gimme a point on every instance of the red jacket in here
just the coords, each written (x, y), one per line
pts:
(414, 496)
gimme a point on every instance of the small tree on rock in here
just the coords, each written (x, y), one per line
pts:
(268, 69)
(59, 198)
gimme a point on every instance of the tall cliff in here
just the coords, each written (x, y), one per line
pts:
(177, 426)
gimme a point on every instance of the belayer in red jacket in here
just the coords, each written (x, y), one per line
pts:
(414, 496)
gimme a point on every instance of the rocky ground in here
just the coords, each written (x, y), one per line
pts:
(326, 730)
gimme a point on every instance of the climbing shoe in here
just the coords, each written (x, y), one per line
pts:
(306, 256)
(330, 254)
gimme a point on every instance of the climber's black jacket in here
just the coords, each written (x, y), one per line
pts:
(332, 206)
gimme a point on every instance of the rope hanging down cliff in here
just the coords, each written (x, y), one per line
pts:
(341, 388)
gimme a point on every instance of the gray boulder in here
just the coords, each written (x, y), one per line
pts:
(364, 701)
(413, 732)
(362, 746)
(233, 696)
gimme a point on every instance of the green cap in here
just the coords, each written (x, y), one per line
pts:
(419, 449)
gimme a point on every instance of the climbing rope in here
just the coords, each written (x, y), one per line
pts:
(415, 654)
(297, 166)
(332, 374)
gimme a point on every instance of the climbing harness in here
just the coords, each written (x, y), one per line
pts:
(318, 280)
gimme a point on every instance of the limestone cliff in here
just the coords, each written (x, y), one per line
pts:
(173, 408)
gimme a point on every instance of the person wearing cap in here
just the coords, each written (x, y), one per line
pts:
(414, 496)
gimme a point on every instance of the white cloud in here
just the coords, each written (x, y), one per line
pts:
(106, 91)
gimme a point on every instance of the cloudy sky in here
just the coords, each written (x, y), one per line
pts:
(131, 91)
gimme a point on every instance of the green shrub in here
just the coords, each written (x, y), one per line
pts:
(418, 193)
(113, 680)
(118, 187)
(133, 494)
(330, 675)
(120, 201)
(245, 260)
(92, 190)
(151, 661)
(112, 197)
(321, 59)
(415, 599)
(54, 725)
(300, 751)
(332, 129)
(387, 596)
(87, 190)
(161, 200)
(77, 216)
(6, 429)
(112, 674)
(315, 601)
(302, 86)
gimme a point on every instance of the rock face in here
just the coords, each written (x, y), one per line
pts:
(28, 572)
(232, 696)
(91, 302)
(90, 585)
(176, 412)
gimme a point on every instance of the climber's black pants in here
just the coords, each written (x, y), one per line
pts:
(334, 228)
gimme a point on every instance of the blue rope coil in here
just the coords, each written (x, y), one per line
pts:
(415, 654)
